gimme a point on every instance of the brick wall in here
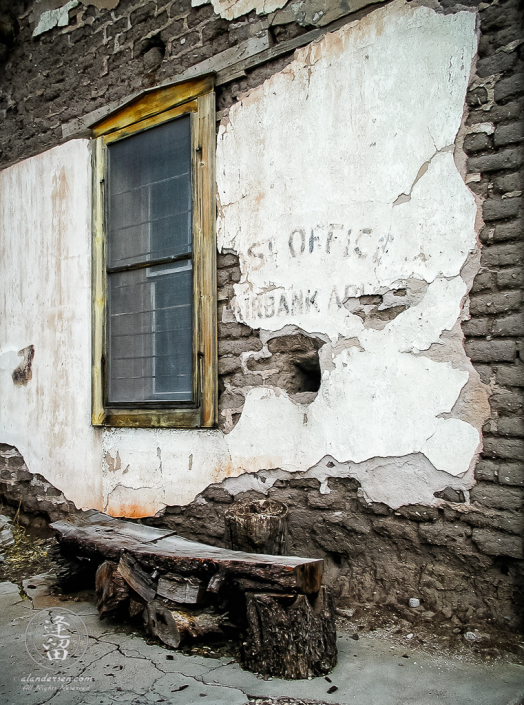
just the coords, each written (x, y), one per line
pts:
(464, 560)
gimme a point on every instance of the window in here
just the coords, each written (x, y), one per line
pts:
(154, 261)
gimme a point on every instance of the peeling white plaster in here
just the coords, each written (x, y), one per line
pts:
(231, 9)
(45, 252)
(54, 18)
(310, 166)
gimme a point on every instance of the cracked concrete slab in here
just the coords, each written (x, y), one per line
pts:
(120, 667)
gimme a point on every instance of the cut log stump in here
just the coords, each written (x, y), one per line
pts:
(290, 636)
(259, 526)
(112, 591)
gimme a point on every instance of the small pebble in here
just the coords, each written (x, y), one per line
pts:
(409, 636)
(355, 637)
(414, 602)
(332, 689)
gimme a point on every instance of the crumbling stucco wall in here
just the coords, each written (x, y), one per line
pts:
(359, 196)
(45, 331)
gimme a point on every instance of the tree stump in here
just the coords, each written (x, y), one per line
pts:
(259, 526)
(289, 636)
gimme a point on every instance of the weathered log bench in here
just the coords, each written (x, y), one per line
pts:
(185, 589)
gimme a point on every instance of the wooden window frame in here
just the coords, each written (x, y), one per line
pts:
(197, 98)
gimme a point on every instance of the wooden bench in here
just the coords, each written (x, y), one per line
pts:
(183, 589)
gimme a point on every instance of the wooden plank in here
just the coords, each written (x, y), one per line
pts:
(137, 578)
(154, 102)
(176, 554)
(186, 591)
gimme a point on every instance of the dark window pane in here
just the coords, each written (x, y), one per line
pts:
(150, 334)
(149, 199)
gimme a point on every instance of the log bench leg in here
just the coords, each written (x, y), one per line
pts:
(289, 636)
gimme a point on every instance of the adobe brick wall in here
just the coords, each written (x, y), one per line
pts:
(464, 560)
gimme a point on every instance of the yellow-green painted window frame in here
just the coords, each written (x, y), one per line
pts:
(197, 98)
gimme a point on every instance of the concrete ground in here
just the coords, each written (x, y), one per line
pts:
(119, 667)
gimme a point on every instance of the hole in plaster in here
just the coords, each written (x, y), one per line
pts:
(293, 365)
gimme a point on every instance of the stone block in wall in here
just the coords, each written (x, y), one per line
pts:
(227, 365)
(507, 401)
(496, 543)
(507, 448)
(500, 208)
(510, 230)
(498, 63)
(483, 280)
(397, 530)
(419, 513)
(510, 278)
(495, 302)
(504, 255)
(506, 183)
(476, 327)
(511, 474)
(510, 426)
(509, 134)
(512, 325)
(491, 350)
(509, 158)
(497, 113)
(442, 533)
(508, 88)
(497, 497)
(510, 375)
(510, 521)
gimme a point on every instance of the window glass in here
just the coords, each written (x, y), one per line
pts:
(150, 330)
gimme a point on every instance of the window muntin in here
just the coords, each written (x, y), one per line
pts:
(154, 261)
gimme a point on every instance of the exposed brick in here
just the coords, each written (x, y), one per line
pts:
(142, 14)
(509, 231)
(226, 261)
(491, 350)
(483, 280)
(496, 543)
(507, 448)
(505, 159)
(510, 278)
(498, 63)
(487, 470)
(507, 401)
(498, 302)
(512, 325)
(227, 365)
(500, 208)
(485, 372)
(510, 375)
(503, 255)
(497, 113)
(510, 87)
(477, 142)
(511, 426)
(442, 533)
(511, 474)
(509, 182)
(419, 513)
(497, 497)
(234, 330)
(509, 134)
(476, 327)
(235, 347)
(511, 522)
(477, 96)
